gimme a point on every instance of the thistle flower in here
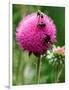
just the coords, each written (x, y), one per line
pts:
(36, 33)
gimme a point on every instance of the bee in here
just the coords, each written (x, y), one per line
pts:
(47, 39)
(40, 24)
(40, 13)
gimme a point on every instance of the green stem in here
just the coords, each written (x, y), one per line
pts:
(58, 73)
(38, 70)
(18, 68)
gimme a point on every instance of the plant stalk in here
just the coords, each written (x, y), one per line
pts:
(38, 70)
(58, 73)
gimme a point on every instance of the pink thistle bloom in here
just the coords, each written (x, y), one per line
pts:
(36, 33)
(59, 50)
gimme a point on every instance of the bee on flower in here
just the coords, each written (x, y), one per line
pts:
(36, 33)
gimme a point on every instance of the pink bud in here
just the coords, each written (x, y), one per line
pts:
(59, 50)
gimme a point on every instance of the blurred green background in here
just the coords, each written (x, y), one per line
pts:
(23, 66)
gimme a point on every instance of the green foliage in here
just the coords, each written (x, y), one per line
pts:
(24, 67)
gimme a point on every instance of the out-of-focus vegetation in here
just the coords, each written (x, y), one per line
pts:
(23, 66)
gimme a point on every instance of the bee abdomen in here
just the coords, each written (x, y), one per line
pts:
(41, 25)
(47, 39)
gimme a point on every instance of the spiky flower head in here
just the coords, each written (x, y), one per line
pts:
(36, 33)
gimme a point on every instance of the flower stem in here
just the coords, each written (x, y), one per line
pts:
(38, 70)
(18, 67)
(58, 72)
